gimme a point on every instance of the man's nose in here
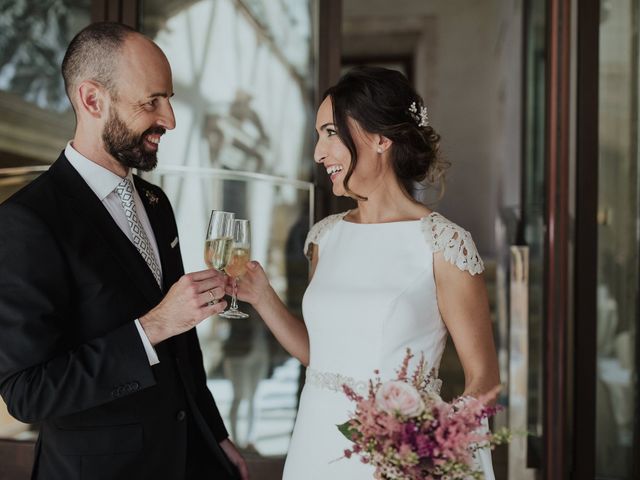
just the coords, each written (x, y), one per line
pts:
(167, 119)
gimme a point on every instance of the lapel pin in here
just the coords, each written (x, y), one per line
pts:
(151, 197)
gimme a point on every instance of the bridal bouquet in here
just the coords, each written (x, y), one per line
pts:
(406, 431)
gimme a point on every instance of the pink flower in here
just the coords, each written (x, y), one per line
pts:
(400, 398)
(405, 430)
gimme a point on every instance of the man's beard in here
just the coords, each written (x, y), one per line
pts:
(126, 146)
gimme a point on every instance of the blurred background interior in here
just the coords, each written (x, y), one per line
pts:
(537, 104)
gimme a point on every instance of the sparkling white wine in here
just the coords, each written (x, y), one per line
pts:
(238, 263)
(217, 252)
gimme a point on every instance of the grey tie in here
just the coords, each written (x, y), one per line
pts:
(140, 239)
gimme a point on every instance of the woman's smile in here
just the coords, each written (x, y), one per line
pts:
(333, 171)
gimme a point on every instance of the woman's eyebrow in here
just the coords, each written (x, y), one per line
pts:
(324, 127)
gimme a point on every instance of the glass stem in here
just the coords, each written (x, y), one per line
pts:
(234, 302)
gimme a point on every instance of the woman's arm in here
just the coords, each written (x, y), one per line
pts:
(463, 303)
(290, 331)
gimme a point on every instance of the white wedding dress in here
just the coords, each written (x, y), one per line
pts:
(372, 296)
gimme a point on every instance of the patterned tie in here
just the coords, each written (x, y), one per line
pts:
(140, 239)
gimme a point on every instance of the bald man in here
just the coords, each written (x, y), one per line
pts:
(97, 337)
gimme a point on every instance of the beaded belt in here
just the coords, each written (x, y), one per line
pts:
(335, 381)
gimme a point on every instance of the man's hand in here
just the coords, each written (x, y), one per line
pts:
(235, 457)
(187, 303)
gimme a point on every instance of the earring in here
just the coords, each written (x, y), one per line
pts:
(379, 149)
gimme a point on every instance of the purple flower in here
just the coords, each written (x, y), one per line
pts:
(405, 430)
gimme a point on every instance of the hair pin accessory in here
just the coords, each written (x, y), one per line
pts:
(420, 117)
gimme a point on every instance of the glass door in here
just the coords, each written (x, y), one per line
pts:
(618, 242)
(36, 119)
(527, 260)
(244, 82)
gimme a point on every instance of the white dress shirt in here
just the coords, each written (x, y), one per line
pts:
(103, 183)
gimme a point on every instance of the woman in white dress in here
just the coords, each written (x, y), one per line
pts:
(386, 276)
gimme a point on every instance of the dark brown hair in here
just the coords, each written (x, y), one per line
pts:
(93, 55)
(379, 100)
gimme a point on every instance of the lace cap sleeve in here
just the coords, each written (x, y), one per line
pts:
(319, 229)
(455, 243)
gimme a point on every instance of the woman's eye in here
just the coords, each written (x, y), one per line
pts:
(330, 132)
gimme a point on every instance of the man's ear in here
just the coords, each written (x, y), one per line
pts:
(91, 98)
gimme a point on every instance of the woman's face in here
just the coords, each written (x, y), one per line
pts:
(335, 156)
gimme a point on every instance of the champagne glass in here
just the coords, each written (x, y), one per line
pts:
(219, 240)
(237, 265)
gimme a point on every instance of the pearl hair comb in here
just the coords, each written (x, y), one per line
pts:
(420, 117)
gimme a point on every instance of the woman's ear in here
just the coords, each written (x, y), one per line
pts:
(382, 144)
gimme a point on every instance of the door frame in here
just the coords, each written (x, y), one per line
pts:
(572, 195)
(586, 242)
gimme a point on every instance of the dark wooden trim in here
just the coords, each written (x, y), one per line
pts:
(586, 233)
(407, 61)
(557, 239)
(124, 11)
(329, 42)
(113, 11)
(98, 10)
(524, 65)
(16, 459)
(130, 13)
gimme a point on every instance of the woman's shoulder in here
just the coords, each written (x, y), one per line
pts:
(321, 228)
(456, 243)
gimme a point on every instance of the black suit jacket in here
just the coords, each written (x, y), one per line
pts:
(71, 286)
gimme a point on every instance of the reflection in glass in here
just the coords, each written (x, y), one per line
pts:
(533, 216)
(617, 304)
(36, 119)
(243, 83)
(254, 381)
(33, 38)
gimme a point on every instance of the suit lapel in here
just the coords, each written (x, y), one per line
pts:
(82, 199)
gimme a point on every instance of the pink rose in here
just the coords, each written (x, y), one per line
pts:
(399, 398)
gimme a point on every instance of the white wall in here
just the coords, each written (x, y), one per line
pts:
(468, 69)
(469, 72)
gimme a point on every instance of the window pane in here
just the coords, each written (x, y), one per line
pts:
(533, 222)
(35, 115)
(617, 239)
(243, 82)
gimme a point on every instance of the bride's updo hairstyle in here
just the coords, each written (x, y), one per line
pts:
(383, 102)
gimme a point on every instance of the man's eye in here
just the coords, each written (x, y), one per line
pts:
(151, 103)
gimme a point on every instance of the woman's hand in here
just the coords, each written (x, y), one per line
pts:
(253, 287)
(291, 332)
